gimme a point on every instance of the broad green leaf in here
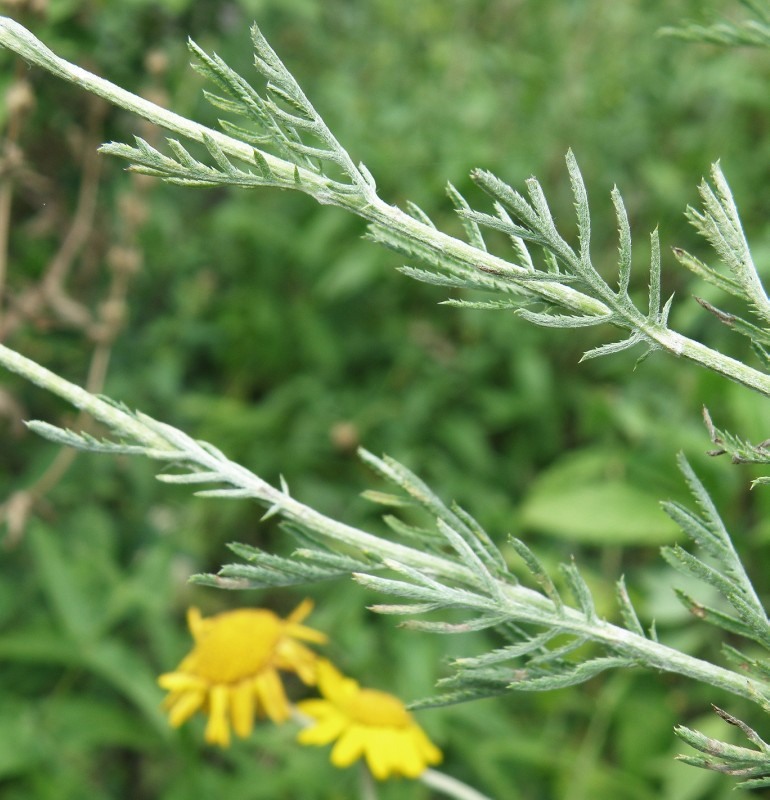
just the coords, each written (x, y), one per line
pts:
(39, 644)
(64, 589)
(20, 748)
(577, 500)
(129, 674)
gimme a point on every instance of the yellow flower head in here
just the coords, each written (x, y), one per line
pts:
(231, 674)
(366, 722)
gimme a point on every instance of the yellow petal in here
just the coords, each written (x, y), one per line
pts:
(411, 760)
(349, 746)
(295, 657)
(301, 611)
(269, 689)
(315, 708)
(180, 681)
(217, 728)
(307, 634)
(184, 706)
(383, 751)
(325, 731)
(242, 708)
(333, 684)
(194, 621)
(430, 753)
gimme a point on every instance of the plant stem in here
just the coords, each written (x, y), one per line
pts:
(367, 783)
(17, 38)
(105, 412)
(645, 652)
(451, 787)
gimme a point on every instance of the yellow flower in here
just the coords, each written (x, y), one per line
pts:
(366, 722)
(231, 674)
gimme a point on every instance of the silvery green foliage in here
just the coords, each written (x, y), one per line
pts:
(749, 33)
(752, 764)
(551, 635)
(739, 450)
(545, 280)
(283, 120)
(449, 569)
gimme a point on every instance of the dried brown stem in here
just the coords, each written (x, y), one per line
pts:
(123, 260)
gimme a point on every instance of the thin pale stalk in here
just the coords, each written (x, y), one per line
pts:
(449, 786)
(100, 410)
(17, 38)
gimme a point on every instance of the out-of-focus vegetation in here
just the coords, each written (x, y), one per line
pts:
(268, 326)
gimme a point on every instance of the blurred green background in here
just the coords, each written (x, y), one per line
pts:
(268, 326)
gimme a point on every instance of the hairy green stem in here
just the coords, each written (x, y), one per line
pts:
(683, 347)
(100, 410)
(367, 205)
(654, 655)
(518, 602)
(18, 39)
(160, 437)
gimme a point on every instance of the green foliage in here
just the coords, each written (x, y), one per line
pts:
(582, 498)
(350, 354)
